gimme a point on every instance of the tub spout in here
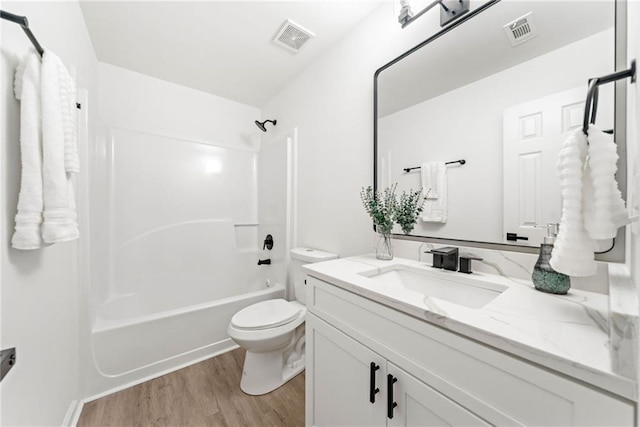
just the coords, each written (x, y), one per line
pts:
(264, 261)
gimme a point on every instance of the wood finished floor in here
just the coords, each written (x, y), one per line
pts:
(205, 394)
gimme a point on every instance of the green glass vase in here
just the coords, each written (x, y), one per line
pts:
(545, 278)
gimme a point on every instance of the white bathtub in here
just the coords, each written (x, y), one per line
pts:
(135, 332)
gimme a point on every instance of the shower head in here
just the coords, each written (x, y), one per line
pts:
(261, 124)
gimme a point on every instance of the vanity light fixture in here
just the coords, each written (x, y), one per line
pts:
(450, 10)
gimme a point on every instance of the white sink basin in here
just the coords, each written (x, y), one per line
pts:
(457, 288)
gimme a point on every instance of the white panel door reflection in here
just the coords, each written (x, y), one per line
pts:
(533, 133)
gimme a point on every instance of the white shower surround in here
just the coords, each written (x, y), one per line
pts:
(182, 216)
(183, 249)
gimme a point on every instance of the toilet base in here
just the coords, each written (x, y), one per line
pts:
(265, 372)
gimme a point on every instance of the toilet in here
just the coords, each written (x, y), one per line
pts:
(272, 331)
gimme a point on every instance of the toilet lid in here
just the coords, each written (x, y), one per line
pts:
(265, 314)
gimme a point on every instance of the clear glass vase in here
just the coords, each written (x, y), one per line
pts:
(384, 250)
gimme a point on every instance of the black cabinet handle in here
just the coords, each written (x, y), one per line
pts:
(390, 403)
(372, 382)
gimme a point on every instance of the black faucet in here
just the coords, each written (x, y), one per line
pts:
(465, 263)
(446, 258)
(264, 261)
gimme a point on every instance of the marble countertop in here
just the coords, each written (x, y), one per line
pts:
(569, 333)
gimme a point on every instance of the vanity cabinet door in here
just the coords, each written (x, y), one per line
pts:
(420, 405)
(339, 376)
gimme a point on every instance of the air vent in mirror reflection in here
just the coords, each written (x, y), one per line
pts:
(521, 30)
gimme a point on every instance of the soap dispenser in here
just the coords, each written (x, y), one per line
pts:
(544, 277)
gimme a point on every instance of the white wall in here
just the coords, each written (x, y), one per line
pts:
(134, 101)
(40, 289)
(331, 103)
(633, 143)
(633, 137)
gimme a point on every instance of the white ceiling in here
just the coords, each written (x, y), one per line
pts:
(220, 47)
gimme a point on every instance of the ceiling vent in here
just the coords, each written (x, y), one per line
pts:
(292, 36)
(521, 29)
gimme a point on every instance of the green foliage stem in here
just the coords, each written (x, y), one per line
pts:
(408, 210)
(385, 209)
(381, 207)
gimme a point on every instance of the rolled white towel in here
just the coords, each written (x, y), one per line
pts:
(604, 209)
(30, 201)
(573, 249)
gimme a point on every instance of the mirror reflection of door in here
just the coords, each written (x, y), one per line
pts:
(533, 135)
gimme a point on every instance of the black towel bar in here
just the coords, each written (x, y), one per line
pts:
(461, 161)
(591, 106)
(24, 23)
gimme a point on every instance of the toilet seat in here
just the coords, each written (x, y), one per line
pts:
(265, 315)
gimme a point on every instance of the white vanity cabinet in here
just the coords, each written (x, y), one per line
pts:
(354, 386)
(341, 374)
(417, 404)
(426, 375)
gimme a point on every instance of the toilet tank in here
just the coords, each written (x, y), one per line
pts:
(300, 257)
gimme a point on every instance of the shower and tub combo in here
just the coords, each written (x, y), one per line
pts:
(181, 300)
(183, 249)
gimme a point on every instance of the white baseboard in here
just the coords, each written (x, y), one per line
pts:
(73, 413)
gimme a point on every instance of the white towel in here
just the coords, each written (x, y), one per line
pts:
(573, 249)
(58, 135)
(604, 210)
(29, 215)
(434, 187)
(68, 110)
(68, 97)
(430, 174)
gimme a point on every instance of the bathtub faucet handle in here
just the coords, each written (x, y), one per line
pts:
(264, 261)
(268, 242)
